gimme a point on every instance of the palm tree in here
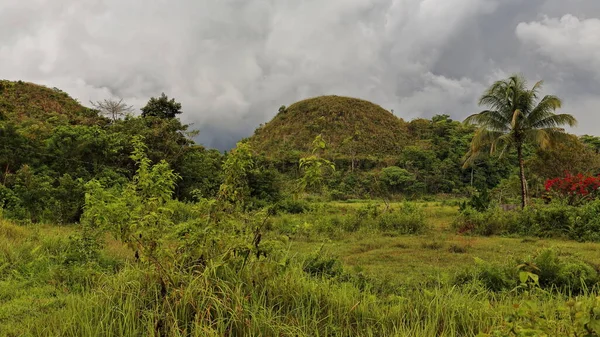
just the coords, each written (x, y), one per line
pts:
(516, 116)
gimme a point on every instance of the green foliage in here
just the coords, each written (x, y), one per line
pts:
(579, 317)
(407, 219)
(321, 264)
(554, 220)
(516, 117)
(137, 213)
(292, 206)
(592, 141)
(546, 270)
(161, 107)
(479, 201)
(314, 168)
(236, 170)
(396, 180)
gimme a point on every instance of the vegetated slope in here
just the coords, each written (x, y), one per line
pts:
(352, 128)
(42, 108)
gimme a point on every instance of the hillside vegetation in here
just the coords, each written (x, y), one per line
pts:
(352, 128)
(336, 219)
(29, 103)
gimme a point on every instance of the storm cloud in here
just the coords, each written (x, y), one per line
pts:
(232, 63)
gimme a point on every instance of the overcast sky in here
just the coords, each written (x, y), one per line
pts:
(232, 63)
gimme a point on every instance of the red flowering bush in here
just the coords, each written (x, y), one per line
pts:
(575, 189)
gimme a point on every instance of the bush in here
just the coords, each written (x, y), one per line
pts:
(408, 219)
(292, 206)
(395, 179)
(320, 264)
(491, 222)
(554, 220)
(586, 226)
(553, 272)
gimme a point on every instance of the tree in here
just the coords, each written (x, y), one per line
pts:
(396, 179)
(314, 168)
(351, 145)
(161, 107)
(516, 117)
(570, 155)
(235, 188)
(112, 109)
(592, 141)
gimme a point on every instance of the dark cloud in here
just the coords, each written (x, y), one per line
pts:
(232, 63)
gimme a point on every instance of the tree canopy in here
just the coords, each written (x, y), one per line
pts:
(161, 107)
(517, 116)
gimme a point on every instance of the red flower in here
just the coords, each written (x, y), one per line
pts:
(576, 188)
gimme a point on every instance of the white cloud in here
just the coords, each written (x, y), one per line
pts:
(569, 40)
(233, 63)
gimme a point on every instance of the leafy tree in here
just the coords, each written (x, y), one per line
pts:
(351, 145)
(515, 117)
(396, 179)
(314, 167)
(592, 141)
(112, 109)
(137, 214)
(161, 107)
(570, 155)
(201, 172)
(236, 170)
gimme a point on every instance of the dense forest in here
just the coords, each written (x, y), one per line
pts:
(336, 218)
(52, 146)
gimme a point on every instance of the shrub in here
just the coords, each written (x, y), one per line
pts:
(454, 248)
(480, 202)
(491, 222)
(575, 189)
(433, 245)
(408, 219)
(292, 206)
(321, 264)
(552, 272)
(554, 220)
(395, 179)
(565, 274)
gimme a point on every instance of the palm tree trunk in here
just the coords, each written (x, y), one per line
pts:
(522, 176)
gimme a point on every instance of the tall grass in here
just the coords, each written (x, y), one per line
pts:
(272, 300)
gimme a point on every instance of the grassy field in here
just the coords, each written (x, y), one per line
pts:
(438, 253)
(392, 284)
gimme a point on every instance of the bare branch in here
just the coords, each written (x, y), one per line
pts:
(112, 109)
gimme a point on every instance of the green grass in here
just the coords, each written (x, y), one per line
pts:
(409, 259)
(390, 285)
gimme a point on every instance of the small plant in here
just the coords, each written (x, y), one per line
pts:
(314, 168)
(433, 245)
(320, 264)
(479, 201)
(458, 249)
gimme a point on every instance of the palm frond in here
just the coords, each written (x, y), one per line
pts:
(485, 138)
(544, 109)
(554, 121)
(490, 119)
(546, 138)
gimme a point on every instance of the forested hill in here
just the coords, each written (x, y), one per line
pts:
(42, 107)
(352, 128)
(51, 146)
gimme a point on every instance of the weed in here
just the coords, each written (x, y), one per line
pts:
(454, 248)
(433, 245)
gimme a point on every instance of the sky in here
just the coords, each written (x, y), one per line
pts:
(233, 63)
